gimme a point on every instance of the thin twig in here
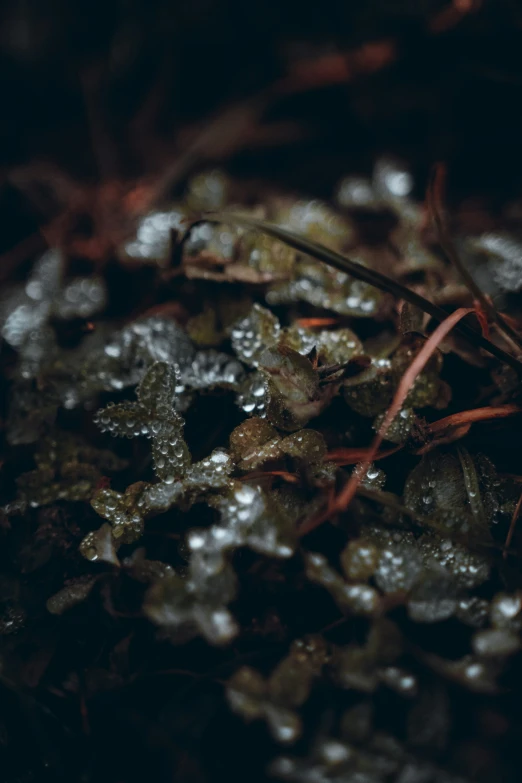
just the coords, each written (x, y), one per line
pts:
(477, 414)
(457, 425)
(351, 456)
(408, 379)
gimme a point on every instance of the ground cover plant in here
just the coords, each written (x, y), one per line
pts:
(259, 515)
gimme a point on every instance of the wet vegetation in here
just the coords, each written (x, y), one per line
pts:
(259, 519)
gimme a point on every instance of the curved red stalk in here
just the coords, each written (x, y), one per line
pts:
(346, 495)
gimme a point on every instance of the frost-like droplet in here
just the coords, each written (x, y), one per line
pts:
(251, 335)
(398, 569)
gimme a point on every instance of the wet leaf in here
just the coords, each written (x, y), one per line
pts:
(504, 251)
(251, 335)
(74, 593)
(68, 468)
(359, 599)
(433, 598)
(336, 346)
(495, 643)
(399, 568)
(123, 511)
(99, 545)
(293, 388)
(253, 442)
(253, 396)
(250, 517)
(123, 360)
(151, 240)
(196, 604)
(266, 255)
(31, 414)
(439, 489)
(153, 416)
(288, 687)
(211, 369)
(370, 393)
(326, 288)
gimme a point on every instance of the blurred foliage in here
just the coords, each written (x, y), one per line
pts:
(157, 597)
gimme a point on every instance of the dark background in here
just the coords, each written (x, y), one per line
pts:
(105, 91)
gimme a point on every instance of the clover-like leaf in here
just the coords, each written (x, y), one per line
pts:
(196, 604)
(252, 334)
(123, 360)
(399, 567)
(211, 369)
(357, 598)
(306, 446)
(124, 512)
(204, 329)
(251, 517)
(428, 388)
(153, 416)
(313, 281)
(127, 512)
(360, 559)
(390, 188)
(496, 643)
(254, 442)
(288, 687)
(370, 392)
(506, 611)
(468, 569)
(316, 220)
(400, 428)
(99, 546)
(452, 490)
(327, 288)
(126, 419)
(72, 482)
(157, 389)
(152, 238)
(81, 298)
(170, 453)
(504, 252)
(365, 667)
(67, 469)
(293, 388)
(433, 572)
(266, 255)
(336, 346)
(253, 396)
(434, 597)
(25, 310)
(210, 474)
